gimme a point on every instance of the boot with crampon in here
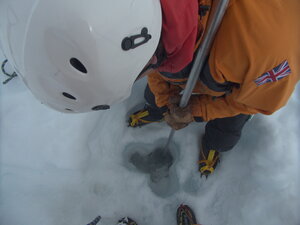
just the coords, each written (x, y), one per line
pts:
(145, 116)
(208, 160)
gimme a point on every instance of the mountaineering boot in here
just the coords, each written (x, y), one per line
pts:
(126, 221)
(145, 116)
(185, 216)
(208, 160)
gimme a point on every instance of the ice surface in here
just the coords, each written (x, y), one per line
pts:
(156, 162)
(68, 169)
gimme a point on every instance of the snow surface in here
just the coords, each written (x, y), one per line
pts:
(62, 169)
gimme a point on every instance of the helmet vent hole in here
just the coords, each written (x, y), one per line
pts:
(78, 65)
(100, 107)
(67, 95)
(70, 110)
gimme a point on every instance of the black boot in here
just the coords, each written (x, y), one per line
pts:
(126, 221)
(145, 116)
(185, 216)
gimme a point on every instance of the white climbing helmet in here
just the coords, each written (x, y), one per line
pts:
(78, 56)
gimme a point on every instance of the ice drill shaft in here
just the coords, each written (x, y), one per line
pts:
(215, 19)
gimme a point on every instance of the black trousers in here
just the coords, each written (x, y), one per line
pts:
(220, 134)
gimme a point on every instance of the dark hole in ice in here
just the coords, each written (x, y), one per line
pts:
(159, 166)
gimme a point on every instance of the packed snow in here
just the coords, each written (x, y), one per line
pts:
(63, 169)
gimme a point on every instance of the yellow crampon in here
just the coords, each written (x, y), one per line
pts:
(136, 118)
(210, 162)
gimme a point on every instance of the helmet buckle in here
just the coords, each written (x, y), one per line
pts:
(129, 42)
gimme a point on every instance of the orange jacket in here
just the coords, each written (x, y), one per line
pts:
(256, 47)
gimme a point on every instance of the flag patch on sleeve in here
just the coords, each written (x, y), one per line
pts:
(279, 72)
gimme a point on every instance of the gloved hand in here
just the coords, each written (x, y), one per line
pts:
(177, 117)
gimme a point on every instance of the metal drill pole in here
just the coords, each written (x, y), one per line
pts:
(215, 19)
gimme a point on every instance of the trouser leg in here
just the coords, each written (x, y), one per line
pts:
(150, 98)
(223, 134)
(155, 111)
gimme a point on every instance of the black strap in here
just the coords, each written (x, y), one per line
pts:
(207, 79)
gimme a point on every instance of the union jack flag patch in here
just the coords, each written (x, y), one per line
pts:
(275, 74)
